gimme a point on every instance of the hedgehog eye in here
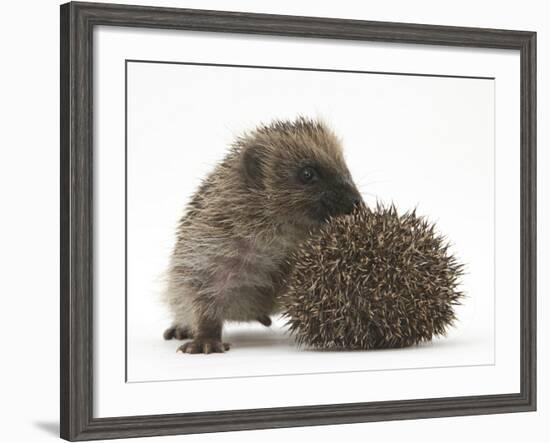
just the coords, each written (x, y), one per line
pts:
(308, 175)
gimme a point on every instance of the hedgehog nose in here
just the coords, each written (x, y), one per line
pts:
(355, 200)
(350, 202)
(340, 201)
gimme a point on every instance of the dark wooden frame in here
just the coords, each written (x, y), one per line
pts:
(77, 24)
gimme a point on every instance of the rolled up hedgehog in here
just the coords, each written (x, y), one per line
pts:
(373, 279)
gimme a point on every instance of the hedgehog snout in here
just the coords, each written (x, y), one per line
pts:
(340, 201)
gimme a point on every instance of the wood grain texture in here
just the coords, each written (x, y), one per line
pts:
(77, 22)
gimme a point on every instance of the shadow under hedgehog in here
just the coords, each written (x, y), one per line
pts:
(276, 185)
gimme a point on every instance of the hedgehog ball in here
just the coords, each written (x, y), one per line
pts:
(373, 279)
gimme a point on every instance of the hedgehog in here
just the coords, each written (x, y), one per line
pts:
(373, 279)
(277, 185)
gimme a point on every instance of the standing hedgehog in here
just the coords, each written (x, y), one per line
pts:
(277, 184)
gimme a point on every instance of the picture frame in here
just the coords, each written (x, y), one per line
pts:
(78, 21)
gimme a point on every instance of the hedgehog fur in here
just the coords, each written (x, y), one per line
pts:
(373, 279)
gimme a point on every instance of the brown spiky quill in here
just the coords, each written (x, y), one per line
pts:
(372, 279)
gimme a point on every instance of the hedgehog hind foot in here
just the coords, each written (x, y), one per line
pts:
(204, 346)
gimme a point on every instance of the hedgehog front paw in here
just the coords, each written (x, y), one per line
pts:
(177, 332)
(204, 346)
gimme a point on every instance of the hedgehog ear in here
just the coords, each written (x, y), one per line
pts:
(252, 165)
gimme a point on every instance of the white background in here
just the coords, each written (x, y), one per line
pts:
(424, 142)
(112, 397)
(29, 183)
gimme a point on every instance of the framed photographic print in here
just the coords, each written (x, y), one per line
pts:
(272, 221)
